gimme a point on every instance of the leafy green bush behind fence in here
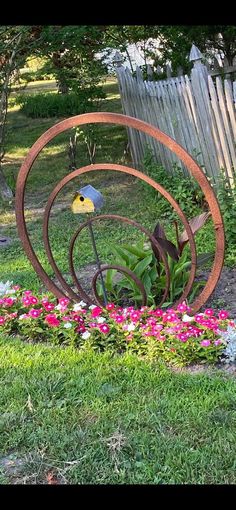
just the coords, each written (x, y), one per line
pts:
(59, 105)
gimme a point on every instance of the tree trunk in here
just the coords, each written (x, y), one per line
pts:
(62, 86)
(5, 190)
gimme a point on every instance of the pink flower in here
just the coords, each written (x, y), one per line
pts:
(2, 320)
(183, 337)
(27, 292)
(96, 311)
(16, 287)
(64, 302)
(33, 300)
(52, 320)
(119, 319)
(182, 307)
(81, 329)
(78, 319)
(9, 302)
(93, 325)
(35, 312)
(209, 312)
(223, 314)
(157, 312)
(48, 306)
(26, 301)
(217, 342)
(66, 318)
(135, 316)
(104, 328)
(110, 306)
(205, 343)
(158, 327)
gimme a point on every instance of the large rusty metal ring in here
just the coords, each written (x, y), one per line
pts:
(115, 118)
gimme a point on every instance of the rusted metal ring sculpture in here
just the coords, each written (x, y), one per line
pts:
(166, 140)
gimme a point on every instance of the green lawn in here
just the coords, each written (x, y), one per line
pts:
(94, 419)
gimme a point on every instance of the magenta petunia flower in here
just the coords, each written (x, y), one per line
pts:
(52, 320)
(223, 314)
(9, 302)
(48, 306)
(64, 302)
(2, 320)
(182, 307)
(119, 319)
(217, 342)
(205, 343)
(110, 306)
(104, 328)
(96, 311)
(183, 337)
(35, 312)
(209, 312)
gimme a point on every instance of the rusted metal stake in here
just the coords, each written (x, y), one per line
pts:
(98, 263)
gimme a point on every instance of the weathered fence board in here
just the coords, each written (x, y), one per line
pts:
(197, 112)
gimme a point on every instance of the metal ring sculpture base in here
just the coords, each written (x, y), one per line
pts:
(130, 122)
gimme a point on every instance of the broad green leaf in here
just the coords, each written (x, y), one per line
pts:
(142, 265)
(135, 251)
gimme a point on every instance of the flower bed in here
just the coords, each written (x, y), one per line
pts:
(171, 335)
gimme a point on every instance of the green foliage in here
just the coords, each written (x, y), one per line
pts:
(227, 202)
(59, 105)
(186, 191)
(143, 263)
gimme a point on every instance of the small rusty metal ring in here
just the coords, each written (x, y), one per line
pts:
(120, 269)
(130, 222)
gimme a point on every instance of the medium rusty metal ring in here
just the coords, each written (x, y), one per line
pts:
(157, 134)
(135, 173)
(120, 269)
(130, 222)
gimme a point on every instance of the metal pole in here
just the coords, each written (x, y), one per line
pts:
(98, 263)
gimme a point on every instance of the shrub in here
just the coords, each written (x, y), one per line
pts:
(227, 202)
(186, 191)
(171, 335)
(59, 105)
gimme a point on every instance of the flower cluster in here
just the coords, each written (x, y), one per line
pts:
(173, 334)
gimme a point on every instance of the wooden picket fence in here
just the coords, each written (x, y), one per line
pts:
(198, 111)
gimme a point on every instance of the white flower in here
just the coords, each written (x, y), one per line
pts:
(82, 304)
(100, 320)
(187, 318)
(58, 307)
(85, 335)
(67, 325)
(5, 287)
(79, 306)
(91, 307)
(23, 316)
(131, 327)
